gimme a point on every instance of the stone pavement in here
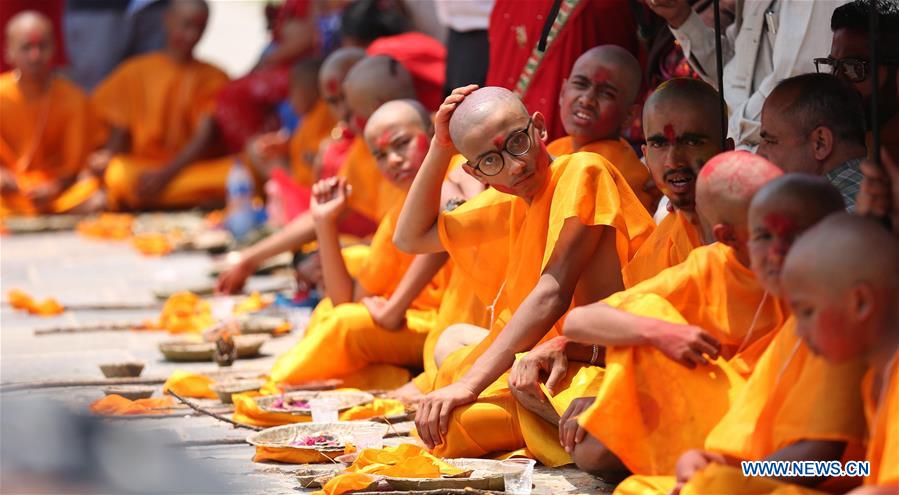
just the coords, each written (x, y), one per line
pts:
(77, 270)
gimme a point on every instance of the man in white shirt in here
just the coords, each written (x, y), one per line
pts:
(769, 40)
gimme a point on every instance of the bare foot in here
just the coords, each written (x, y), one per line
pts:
(407, 394)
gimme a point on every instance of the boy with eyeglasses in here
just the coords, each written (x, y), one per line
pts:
(548, 234)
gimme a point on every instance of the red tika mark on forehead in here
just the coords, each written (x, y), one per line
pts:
(499, 142)
(780, 224)
(332, 86)
(670, 135)
(601, 75)
(383, 140)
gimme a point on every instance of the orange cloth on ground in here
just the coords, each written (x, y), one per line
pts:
(670, 244)
(161, 103)
(116, 405)
(372, 194)
(348, 336)
(502, 244)
(304, 143)
(620, 154)
(184, 312)
(650, 409)
(791, 396)
(48, 307)
(344, 483)
(402, 461)
(187, 384)
(883, 440)
(46, 139)
(107, 226)
(152, 244)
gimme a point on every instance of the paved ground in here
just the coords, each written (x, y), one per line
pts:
(76, 270)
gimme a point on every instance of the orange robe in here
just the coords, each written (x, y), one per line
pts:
(372, 194)
(160, 103)
(791, 396)
(670, 244)
(46, 139)
(304, 143)
(620, 153)
(650, 409)
(883, 425)
(502, 244)
(346, 336)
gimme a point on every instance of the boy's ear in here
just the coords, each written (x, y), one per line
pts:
(725, 234)
(539, 123)
(862, 302)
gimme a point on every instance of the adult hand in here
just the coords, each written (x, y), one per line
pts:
(383, 313)
(435, 410)
(329, 199)
(675, 12)
(231, 280)
(570, 432)
(445, 112)
(880, 186)
(547, 358)
(685, 344)
(150, 184)
(689, 463)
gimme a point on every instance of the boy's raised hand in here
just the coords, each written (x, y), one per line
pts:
(329, 199)
(445, 112)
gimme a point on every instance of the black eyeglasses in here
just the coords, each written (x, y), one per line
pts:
(851, 69)
(517, 144)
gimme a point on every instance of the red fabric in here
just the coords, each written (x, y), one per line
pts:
(53, 9)
(593, 22)
(246, 106)
(424, 57)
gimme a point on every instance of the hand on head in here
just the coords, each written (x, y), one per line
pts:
(444, 114)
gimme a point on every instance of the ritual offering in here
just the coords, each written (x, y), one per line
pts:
(122, 370)
(308, 442)
(130, 392)
(224, 389)
(186, 350)
(300, 403)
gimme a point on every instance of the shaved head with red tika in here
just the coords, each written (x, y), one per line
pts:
(372, 82)
(841, 280)
(481, 126)
(29, 45)
(399, 135)
(330, 79)
(780, 211)
(724, 189)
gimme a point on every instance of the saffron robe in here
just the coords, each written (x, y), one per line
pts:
(883, 441)
(495, 237)
(649, 408)
(305, 142)
(670, 244)
(45, 139)
(346, 333)
(160, 103)
(620, 153)
(792, 395)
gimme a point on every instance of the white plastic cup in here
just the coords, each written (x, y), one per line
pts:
(222, 307)
(368, 438)
(324, 410)
(518, 475)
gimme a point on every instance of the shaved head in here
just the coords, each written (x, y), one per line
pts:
(780, 211)
(842, 280)
(596, 99)
(372, 82)
(727, 184)
(398, 135)
(617, 60)
(680, 94)
(483, 104)
(29, 45)
(336, 66)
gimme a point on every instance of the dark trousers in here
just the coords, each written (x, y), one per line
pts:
(467, 57)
